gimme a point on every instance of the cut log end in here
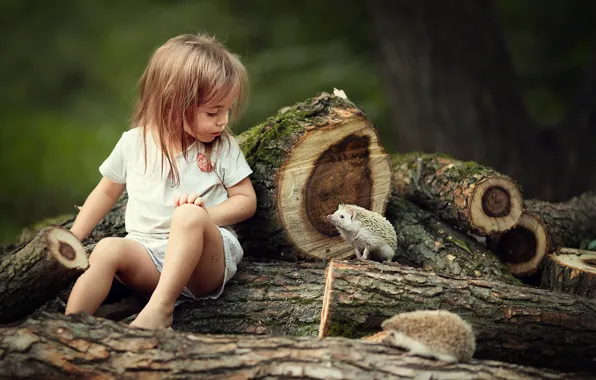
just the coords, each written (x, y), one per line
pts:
(496, 205)
(523, 248)
(66, 248)
(571, 271)
(343, 162)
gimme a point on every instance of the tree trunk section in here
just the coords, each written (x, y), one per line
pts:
(569, 222)
(274, 298)
(58, 347)
(306, 160)
(452, 89)
(424, 241)
(524, 247)
(571, 271)
(38, 271)
(472, 197)
(515, 324)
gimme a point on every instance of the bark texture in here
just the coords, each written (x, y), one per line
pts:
(425, 241)
(275, 298)
(58, 347)
(38, 271)
(569, 222)
(472, 197)
(516, 324)
(306, 160)
(571, 271)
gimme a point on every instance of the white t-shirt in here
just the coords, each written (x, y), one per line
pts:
(150, 204)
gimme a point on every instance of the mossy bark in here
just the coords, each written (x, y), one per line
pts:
(297, 187)
(425, 241)
(516, 324)
(472, 197)
(37, 271)
(59, 347)
(568, 223)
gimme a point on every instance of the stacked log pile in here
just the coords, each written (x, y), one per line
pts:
(301, 302)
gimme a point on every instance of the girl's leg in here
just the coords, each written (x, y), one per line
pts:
(194, 256)
(111, 256)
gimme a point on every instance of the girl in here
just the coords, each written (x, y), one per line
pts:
(186, 180)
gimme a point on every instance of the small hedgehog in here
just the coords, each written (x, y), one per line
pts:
(368, 232)
(438, 334)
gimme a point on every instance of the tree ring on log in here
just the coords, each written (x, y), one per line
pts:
(496, 205)
(571, 271)
(523, 248)
(338, 163)
(66, 248)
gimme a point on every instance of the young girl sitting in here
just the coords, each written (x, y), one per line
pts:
(187, 181)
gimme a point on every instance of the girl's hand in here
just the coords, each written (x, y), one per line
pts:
(188, 198)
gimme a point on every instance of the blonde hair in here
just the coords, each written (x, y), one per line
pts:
(187, 71)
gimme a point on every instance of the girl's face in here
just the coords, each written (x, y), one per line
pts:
(212, 119)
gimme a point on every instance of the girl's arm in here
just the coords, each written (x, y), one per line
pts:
(97, 205)
(240, 205)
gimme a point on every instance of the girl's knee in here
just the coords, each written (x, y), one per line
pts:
(189, 216)
(107, 252)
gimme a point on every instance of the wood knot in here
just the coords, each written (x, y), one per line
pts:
(67, 251)
(496, 202)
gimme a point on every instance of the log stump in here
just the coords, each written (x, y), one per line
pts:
(524, 247)
(83, 347)
(515, 324)
(425, 241)
(472, 197)
(571, 271)
(38, 271)
(306, 160)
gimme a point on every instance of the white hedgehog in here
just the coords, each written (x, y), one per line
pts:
(368, 231)
(438, 334)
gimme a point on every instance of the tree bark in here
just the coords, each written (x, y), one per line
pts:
(306, 160)
(569, 222)
(58, 347)
(38, 271)
(571, 271)
(472, 197)
(275, 298)
(425, 241)
(516, 324)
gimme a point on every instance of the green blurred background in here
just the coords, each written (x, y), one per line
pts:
(69, 69)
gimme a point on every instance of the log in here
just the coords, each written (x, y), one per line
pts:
(545, 227)
(524, 247)
(425, 241)
(37, 271)
(515, 324)
(571, 271)
(568, 223)
(58, 347)
(306, 160)
(275, 298)
(474, 198)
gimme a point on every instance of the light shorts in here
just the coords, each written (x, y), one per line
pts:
(232, 253)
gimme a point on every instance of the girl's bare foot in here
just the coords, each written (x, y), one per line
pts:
(154, 318)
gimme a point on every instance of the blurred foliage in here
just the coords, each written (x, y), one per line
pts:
(69, 69)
